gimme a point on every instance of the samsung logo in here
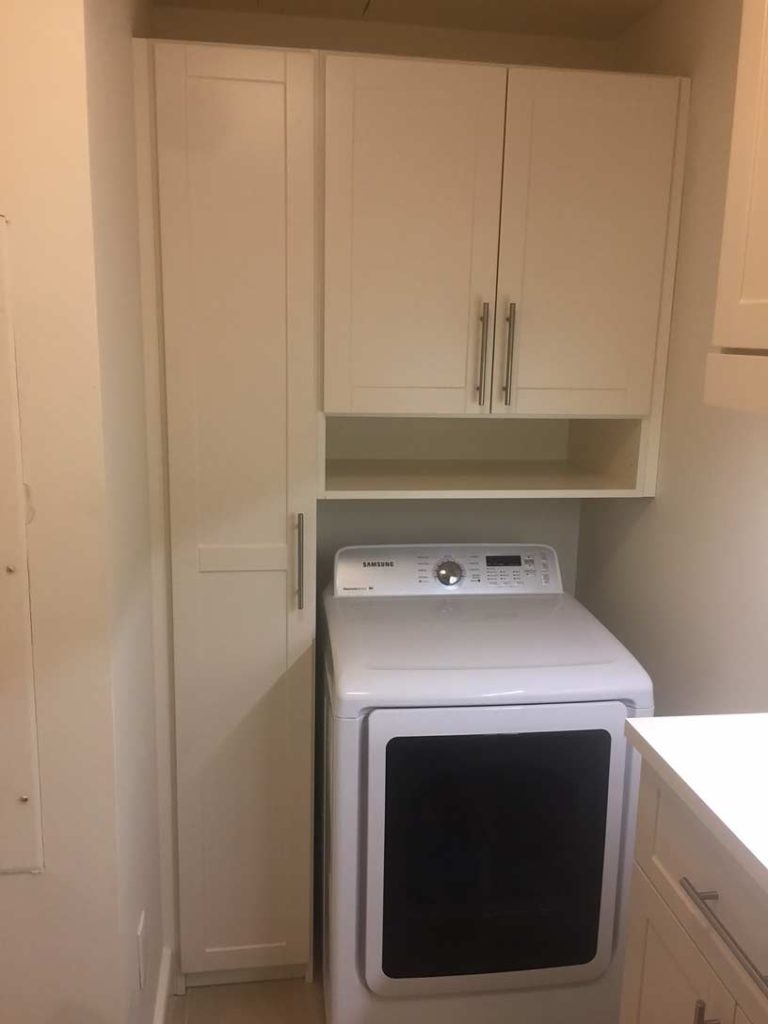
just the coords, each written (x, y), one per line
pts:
(378, 565)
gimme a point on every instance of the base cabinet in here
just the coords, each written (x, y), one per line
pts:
(698, 942)
(667, 980)
(235, 149)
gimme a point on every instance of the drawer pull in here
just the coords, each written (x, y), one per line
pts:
(699, 1014)
(701, 901)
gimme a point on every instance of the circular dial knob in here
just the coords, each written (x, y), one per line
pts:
(449, 573)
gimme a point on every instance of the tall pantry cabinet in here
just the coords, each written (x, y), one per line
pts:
(236, 183)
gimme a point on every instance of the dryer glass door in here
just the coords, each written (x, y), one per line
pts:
(493, 841)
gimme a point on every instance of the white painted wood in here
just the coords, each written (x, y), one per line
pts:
(590, 203)
(385, 456)
(474, 478)
(665, 974)
(236, 183)
(696, 820)
(650, 437)
(681, 847)
(741, 314)
(413, 178)
(163, 990)
(157, 467)
(20, 819)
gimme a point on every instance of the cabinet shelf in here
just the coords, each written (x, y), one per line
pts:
(459, 458)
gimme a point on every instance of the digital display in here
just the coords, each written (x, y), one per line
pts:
(498, 561)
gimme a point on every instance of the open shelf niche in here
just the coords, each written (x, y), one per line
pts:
(428, 457)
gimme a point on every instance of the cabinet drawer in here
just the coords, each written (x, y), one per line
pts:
(666, 977)
(684, 860)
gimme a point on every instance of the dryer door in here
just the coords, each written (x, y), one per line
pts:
(493, 840)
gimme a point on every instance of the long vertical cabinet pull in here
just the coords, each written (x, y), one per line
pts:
(300, 561)
(700, 1014)
(485, 317)
(507, 388)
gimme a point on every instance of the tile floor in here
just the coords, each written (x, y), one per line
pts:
(268, 1002)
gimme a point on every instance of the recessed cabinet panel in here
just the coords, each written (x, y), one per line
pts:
(413, 180)
(588, 181)
(235, 155)
(20, 821)
(236, 357)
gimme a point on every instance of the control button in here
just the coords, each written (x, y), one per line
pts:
(449, 573)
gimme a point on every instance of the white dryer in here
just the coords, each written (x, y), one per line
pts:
(480, 795)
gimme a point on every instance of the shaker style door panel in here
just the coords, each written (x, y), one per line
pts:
(666, 978)
(412, 193)
(235, 170)
(20, 821)
(741, 317)
(587, 209)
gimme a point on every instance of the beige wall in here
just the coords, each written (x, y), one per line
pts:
(66, 950)
(59, 955)
(109, 28)
(683, 579)
(377, 37)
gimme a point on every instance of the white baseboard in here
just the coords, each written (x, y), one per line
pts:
(246, 975)
(163, 995)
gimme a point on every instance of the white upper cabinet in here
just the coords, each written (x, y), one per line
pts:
(588, 232)
(737, 375)
(741, 319)
(413, 184)
(427, 203)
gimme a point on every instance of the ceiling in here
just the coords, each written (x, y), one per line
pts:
(590, 19)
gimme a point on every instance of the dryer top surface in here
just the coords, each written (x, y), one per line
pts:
(473, 651)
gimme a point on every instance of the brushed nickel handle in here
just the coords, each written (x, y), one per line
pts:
(699, 1014)
(300, 560)
(507, 388)
(701, 900)
(485, 317)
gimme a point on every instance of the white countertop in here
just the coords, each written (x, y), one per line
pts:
(718, 764)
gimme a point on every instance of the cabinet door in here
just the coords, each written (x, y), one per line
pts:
(587, 241)
(741, 316)
(665, 975)
(235, 149)
(413, 180)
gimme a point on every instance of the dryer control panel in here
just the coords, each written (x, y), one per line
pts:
(445, 569)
